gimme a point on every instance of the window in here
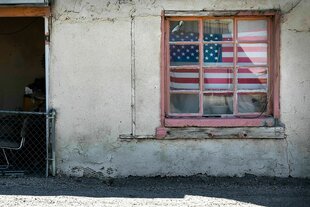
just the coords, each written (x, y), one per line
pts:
(220, 71)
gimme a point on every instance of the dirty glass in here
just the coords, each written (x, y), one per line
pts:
(218, 30)
(252, 54)
(184, 103)
(184, 79)
(184, 55)
(250, 103)
(217, 104)
(252, 30)
(252, 79)
(218, 79)
(218, 55)
(184, 31)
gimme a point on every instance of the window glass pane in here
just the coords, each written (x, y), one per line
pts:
(220, 55)
(252, 54)
(216, 104)
(184, 55)
(218, 79)
(218, 30)
(184, 79)
(252, 30)
(184, 31)
(252, 78)
(249, 103)
(184, 103)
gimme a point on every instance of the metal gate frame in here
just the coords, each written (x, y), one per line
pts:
(49, 135)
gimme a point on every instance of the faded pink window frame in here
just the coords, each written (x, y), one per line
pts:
(246, 119)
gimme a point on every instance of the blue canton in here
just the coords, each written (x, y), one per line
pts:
(190, 53)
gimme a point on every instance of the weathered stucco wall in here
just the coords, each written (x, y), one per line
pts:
(105, 55)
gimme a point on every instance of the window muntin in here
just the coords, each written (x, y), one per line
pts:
(222, 71)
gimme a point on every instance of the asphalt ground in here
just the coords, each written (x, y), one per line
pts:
(154, 191)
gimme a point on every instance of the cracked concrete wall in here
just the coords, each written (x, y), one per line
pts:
(102, 52)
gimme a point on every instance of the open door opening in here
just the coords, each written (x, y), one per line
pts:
(22, 62)
(23, 115)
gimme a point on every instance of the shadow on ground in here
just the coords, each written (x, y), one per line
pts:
(250, 189)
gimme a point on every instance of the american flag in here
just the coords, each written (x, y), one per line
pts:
(214, 54)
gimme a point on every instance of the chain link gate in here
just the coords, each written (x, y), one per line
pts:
(27, 142)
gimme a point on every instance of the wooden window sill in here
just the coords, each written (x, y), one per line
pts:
(216, 133)
(220, 122)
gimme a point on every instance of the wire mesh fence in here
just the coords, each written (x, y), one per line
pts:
(25, 142)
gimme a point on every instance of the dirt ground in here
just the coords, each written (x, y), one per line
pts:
(157, 191)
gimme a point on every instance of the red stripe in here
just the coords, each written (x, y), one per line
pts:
(252, 80)
(218, 80)
(252, 49)
(245, 49)
(220, 70)
(252, 60)
(227, 49)
(252, 70)
(184, 80)
(253, 38)
(227, 59)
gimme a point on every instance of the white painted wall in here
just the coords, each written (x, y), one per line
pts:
(97, 45)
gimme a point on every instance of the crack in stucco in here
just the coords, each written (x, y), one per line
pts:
(297, 30)
(287, 151)
(133, 74)
(290, 9)
(294, 5)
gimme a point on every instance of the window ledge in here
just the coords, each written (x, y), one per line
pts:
(220, 122)
(215, 133)
(226, 133)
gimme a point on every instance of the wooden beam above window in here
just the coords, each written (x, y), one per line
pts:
(17, 11)
(218, 13)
